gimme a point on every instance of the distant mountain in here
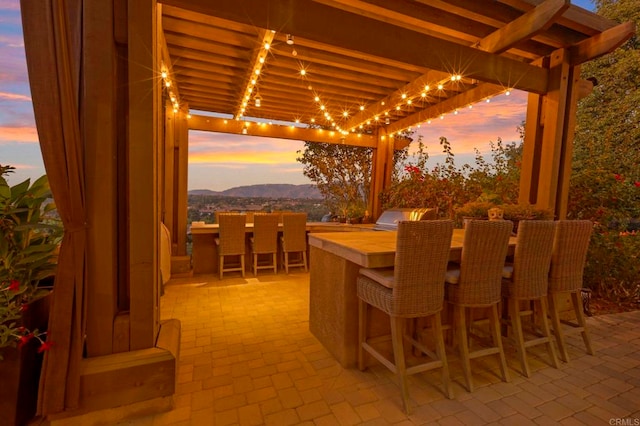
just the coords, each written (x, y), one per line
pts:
(269, 190)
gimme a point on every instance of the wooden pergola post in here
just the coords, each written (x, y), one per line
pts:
(180, 188)
(381, 170)
(549, 132)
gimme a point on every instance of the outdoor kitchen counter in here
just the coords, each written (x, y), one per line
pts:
(335, 259)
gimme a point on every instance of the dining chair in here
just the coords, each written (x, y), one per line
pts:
(294, 240)
(230, 241)
(265, 240)
(412, 288)
(475, 283)
(527, 280)
(565, 279)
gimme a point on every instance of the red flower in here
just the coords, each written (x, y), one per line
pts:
(24, 308)
(24, 339)
(618, 177)
(637, 183)
(14, 285)
(45, 346)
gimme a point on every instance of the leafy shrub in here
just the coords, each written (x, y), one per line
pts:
(613, 267)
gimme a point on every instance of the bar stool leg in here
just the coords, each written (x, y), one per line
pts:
(544, 324)
(516, 327)
(557, 327)
(497, 340)
(362, 332)
(460, 326)
(398, 355)
(576, 299)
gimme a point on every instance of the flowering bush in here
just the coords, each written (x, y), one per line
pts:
(613, 267)
(415, 186)
(449, 187)
(29, 241)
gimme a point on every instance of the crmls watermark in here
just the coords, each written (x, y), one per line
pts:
(624, 421)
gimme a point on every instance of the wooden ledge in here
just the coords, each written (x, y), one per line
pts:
(126, 385)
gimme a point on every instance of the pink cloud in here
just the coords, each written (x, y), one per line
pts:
(18, 134)
(10, 5)
(14, 97)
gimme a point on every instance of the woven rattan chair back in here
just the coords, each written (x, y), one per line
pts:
(294, 239)
(422, 251)
(483, 254)
(265, 232)
(569, 255)
(232, 234)
(565, 279)
(529, 281)
(231, 241)
(294, 232)
(532, 259)
(265, 241)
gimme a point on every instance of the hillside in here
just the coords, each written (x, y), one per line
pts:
(269, 190)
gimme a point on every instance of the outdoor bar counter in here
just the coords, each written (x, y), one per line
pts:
(204, 255)
(335, 259)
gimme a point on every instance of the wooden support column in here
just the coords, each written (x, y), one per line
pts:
(143, 185)
(380, 171)
(549, 134)
(99, 128)
(168, 174)
(181, 173)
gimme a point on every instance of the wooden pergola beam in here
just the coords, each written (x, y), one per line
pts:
(601, 44)
(461, 100)
(255, 67)
(309, 20)
(524, 27)
(221, 125)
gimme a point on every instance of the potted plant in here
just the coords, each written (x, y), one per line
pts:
(29, 240)
(523, 211)
(473, 210)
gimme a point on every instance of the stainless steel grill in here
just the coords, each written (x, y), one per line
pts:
(388, 220)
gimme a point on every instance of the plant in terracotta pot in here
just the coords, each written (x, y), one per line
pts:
(29, 239)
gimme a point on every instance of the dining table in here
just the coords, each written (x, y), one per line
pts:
(335, 260)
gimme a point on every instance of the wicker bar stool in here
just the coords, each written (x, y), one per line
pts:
(476, 283)
(231, 241)
(565, 278)
(527, 279)
(294, 240)
(265, 240)
(413, 288)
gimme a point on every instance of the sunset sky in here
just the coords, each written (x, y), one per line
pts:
(221, 161)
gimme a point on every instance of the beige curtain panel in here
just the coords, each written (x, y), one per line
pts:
(53, 44)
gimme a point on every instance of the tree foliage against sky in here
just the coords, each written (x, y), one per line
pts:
(342, 173)
(605, 177)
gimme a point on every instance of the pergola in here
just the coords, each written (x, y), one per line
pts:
(117, 85)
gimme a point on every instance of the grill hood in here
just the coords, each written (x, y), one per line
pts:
(388, 220)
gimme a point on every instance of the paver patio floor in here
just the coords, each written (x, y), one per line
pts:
(247, 358)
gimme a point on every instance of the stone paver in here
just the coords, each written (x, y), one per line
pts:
(247, 358)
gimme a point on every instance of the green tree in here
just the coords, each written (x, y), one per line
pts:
(605, 181)
(342, 174)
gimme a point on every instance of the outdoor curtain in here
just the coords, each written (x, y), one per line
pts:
(53, 44)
